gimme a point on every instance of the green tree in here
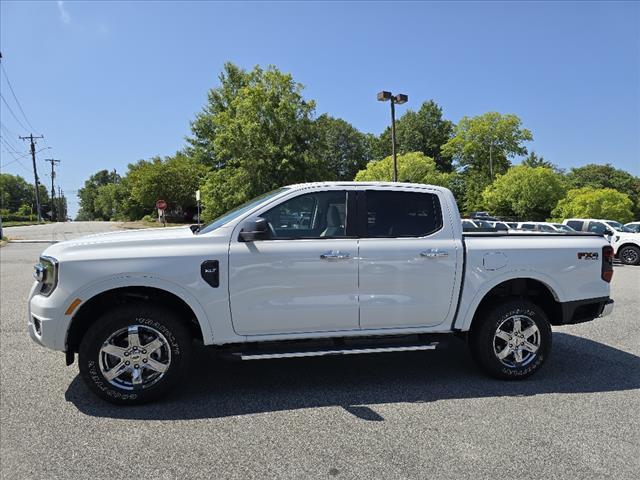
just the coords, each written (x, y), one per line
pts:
(413, 167)
(338, 150)
(88, 193)
(15, 192)
(422, 131)
(220, 100)
(112, 201)
(173, 179)
(490, 139)
(223, 190)
(606, 176)
(484, 144)
(529, 193)
(258, 125)
(534, 160)
(588, 202)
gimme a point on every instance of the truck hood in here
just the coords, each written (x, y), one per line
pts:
(128, 240)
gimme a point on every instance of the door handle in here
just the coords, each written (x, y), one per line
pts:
(334, 255)
(434, 253)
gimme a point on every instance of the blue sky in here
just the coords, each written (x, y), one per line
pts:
(109, 83)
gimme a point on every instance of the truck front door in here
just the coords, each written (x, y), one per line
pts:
(304, 277)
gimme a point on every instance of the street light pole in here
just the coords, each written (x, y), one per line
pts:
(393, 140)
(399, 99)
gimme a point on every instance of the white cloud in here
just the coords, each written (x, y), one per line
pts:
(64, 13)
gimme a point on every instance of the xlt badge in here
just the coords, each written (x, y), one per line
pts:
(210, 272)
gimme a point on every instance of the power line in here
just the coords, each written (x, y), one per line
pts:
(6, 77)
(9, 132)
(15, 159)
(8, 142)
(13, 114)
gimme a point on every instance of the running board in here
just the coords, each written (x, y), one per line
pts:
(342, 351)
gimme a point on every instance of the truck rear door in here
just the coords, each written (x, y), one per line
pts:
(408, 259)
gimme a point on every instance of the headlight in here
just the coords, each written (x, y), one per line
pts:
(46, 273)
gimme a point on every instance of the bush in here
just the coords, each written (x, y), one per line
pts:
(587, 202)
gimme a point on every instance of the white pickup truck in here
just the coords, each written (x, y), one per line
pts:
(310, 270)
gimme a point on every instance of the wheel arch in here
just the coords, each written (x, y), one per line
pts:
(534, 289)
(101, 297)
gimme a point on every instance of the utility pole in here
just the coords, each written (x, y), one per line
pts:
(53, 161)
(31, 138)
(61, 210)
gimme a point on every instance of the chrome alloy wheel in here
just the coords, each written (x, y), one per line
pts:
(516, 341)
(135, 357)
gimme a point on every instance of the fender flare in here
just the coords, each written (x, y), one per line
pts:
(144, 280)
(466, 314)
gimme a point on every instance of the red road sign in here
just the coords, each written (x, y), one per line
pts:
(161, 205)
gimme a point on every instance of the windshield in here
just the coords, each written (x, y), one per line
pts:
(619, 227)
(236, 212)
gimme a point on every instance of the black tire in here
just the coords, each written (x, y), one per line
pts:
(486, 344)
(629, 255)
(154, 322)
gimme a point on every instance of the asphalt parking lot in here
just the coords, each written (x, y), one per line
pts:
(413, 415)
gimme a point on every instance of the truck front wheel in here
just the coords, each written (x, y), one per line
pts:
(512, 340)
(134, 353)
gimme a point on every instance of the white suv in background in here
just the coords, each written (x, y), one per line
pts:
(633, 226)
(625, 242)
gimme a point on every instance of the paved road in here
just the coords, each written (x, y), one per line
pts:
(394, 416)
(57, 232)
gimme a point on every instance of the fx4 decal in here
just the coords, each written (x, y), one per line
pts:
(587, 255)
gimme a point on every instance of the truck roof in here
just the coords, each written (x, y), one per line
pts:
(297, 186)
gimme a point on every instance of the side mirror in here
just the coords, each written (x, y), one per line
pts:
(257, 229)
(608, 232)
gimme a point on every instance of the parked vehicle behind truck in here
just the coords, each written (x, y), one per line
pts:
(625, 242)
(371, 267)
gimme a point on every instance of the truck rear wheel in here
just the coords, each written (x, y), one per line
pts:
(512, 341)
(134, 353)
(629, 255)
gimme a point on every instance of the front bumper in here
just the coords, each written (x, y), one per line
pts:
(46, 322)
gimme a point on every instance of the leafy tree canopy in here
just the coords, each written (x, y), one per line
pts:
(534, 160)
(173, 179)
(413, 167)
(422, 131)
(14, 192)
(339, 150)
(491, 138)
(529, 193)
(588, 202)
(606, 176)
(87, 194)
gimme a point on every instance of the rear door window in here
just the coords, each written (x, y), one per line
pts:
(401, 214)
